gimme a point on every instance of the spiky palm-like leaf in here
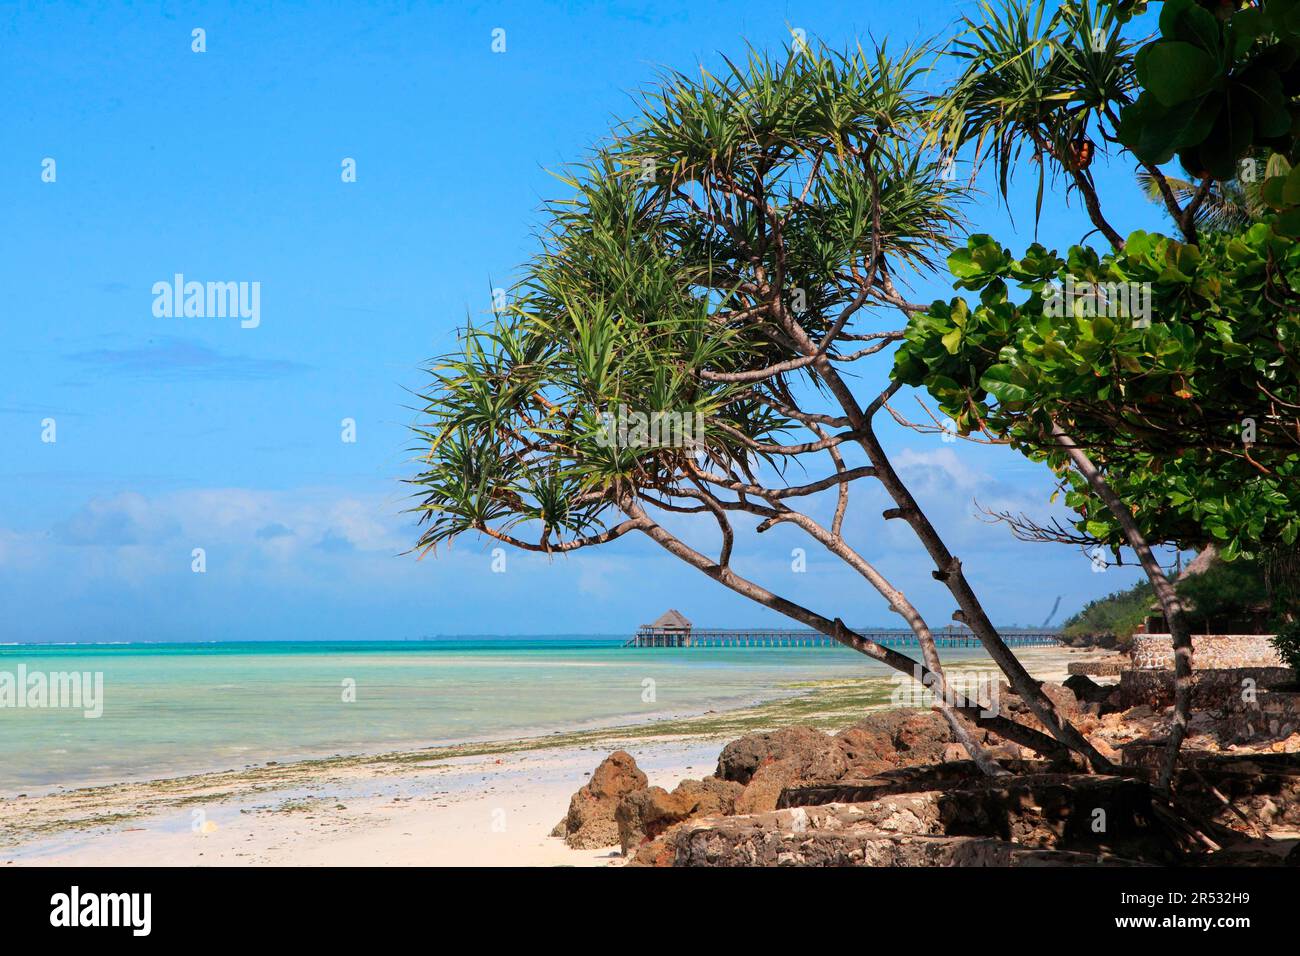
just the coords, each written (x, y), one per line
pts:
(647, 289)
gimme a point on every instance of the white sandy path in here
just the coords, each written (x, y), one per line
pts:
(479, 811)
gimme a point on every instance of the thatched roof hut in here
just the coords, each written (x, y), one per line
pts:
(670, 620)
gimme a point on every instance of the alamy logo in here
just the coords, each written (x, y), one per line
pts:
(626, 429)
(921, 690)
(1116, 300)
(75, 908)
(75, 690)
(209, 300)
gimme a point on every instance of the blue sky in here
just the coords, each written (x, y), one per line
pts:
(180, 433)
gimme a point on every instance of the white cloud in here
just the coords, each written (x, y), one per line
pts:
(133, 532)
(939, 467)
(122, 520)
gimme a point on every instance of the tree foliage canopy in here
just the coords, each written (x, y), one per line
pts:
(1175, 362)
(1161, 407)
(666, 284)
(1218, 82)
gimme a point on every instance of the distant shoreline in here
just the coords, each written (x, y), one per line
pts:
(613, 638)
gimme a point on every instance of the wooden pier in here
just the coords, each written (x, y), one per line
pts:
(649, 635)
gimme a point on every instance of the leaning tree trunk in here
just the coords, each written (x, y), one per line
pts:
(948, 569)
(900, 605)
(1170, 603)
(835, 629)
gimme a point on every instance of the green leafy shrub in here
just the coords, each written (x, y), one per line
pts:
(1287, 642)
(1227, 598)
(1214, 85)
(1221, 347)
(1116, 616)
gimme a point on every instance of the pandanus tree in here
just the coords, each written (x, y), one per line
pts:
(683, 348)
(1159, 378)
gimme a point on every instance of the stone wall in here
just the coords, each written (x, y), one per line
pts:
(1209, 651)
(1038, 819)
(1271, 713)
(1106, 668)
(1262, 789)
(1211, 688)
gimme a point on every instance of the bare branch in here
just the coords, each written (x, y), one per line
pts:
(836, 630)
(561, 547)
(1168, 597)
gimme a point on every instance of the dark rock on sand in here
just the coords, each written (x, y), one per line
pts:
(1088, 690)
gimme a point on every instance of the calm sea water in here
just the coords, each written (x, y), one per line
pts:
(176, 708)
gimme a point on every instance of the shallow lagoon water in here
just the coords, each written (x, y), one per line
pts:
(180, 708)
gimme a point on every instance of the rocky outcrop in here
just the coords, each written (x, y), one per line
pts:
(1242, 792)
(894, 738)
(758, 842)
(590, 822)
(1273, 715)
(767, 785)
(617, 806)
(1210, 688)
(1061, 696)
(644, 815)
(919, 779)
(811, 751)
(1037, 820)
(894, 789)
(769, 763)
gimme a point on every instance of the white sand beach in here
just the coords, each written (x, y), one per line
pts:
(476, 811)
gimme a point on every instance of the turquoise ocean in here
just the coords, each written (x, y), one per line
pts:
(179, 708)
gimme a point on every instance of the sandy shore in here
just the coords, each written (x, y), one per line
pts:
(486, 805)
(469, 811)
